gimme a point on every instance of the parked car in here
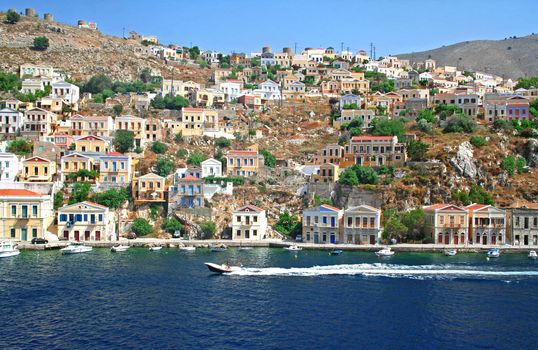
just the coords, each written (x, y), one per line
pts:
(38, 240)
(299, 238)
(131, 235)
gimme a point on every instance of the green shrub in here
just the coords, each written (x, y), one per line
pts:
(159, 147)
(141, 227)
(477, 141)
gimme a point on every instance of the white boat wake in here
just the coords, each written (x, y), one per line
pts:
(386, 270)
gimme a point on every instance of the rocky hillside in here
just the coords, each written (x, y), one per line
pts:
(82, 52)
(510, 57)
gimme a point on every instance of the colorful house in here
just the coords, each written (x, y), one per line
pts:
(92, 144)
(243, 163)
(249, 223)
(190, 192)
(38, 169)
(86, 221)
(362, 225)
(487, 224)
(374, 151)
(322, 224)
(149, 188)
(74, 162)
(115, 169)
(447, 224)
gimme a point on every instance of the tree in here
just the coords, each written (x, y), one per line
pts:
(12, 17)
(477, 141)
(80, 193)
(365, 174)
(164, 166)
(9, 82)
(424, 125)
(194, 52)
(508, 164)
(58, 200)
(112, 198)
(169, 102)
(414, 221)
(222, 142)
(288, 225)
(117, 109)
(417, 150)
(268, 158)
(349, 178)
(20, 147)
(196, 158)
(145, 75)
(209, 228)
(159, 147)
(41, 43)
(178, 138)
(98, 84)
(500, 124)
(182, 153)
(123, 141)
(141, 227)
(521, 163)
(460, 123)
(388, 127)
(426, 115)
(527, 83)
(171, 225)
(445, 111)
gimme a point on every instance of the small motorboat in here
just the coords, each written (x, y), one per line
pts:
(293, 248)
(188, 248)
(219, 248)
(336, 252)
(245, 248)
(493, 253)
(76, 248)
(155, 248)
(384, 252)
(450, 252)
(533, 255)
(119, 248)
(224, 268)
(8, 249)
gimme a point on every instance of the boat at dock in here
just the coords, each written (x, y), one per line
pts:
(493, 253)
(8, 249)
(224, 268)
(384, 252)
(293, 248)
(244, 248)
(119, 248)
(533, 255)
(219, 248)
(336, 252)
(450, 252)
(155, 249)
(188, 248)
(76, 248)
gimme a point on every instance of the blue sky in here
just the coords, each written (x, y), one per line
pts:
(247, 25)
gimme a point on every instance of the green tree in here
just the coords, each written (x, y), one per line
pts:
(268, 158)
(222, 142)
(527, 83)
(508, 164)
(477, 141)
(98, 84)
(178, 138)
(209, 228)
(165, 166)
(80, 192)
(159, 147)
(12, 17)
(117, 110)
(182, 153)
(169, 102)
(521, 163)
(426, 115)
(141, 227)
(9, 82)
(288, 225)
(365, 174)
(112, 198)
(145, 75)
(194, 52)
(349, 178)
(414, 221)
(171, 225)
(20, 147)
(388, 127)
(417, 150)
(460, 123)
(196, 158)
(41, 43)
(123, 141)
(58, 200)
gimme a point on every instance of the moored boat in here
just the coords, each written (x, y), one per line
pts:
(119, 248)
(450, 252)
(8, 249)
(76, 248)
(336, 252)
(385, 252)
(155, 248)
(188, 248)
(493, 253)
(244, 248)
(533, 255)
(219, 248)
(293, 248)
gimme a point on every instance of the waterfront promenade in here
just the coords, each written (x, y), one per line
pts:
(174, 243)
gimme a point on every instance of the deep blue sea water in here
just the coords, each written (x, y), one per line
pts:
(169, 300)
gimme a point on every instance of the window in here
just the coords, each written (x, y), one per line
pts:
(34, 232)
(13, 210)
(34, 210)
(100, 217)
(238, 218)
(324, 219)
(78, 217)
(255, 218)
(12, 232)
(63, 217)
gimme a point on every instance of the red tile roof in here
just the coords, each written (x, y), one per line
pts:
(253, 207)
(193, 109)
(330, 207)
(475, 206)
(37, 159)
(436, 206)
(242, 152)
(372, 138)
(116, 154)
(190, 178)
(95, 204)
(17, 193)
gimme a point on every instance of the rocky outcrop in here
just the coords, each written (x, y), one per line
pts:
(530, 151)
(464, 162)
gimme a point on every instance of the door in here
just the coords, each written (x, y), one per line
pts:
(247, 234)
(316, 238)
(24, 234)
(86, 235)
(77, 236)
(66, 235)
(526, 240)
(456, 239)
(372, 239)
(447, 239)
(484, 239)
(97, 235)
(493, 239)
(333, 238)
(440, 238)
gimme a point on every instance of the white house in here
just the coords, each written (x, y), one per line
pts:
(30, 86)
(425, 76)
(211, 167)
(269, 90)
(9, 167)
(231, 89)
(69, 92)
(11, 122)
(86, 221)
(249, 222)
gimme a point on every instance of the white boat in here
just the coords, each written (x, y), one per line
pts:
(450, 252)
(119, 248)
(8, 249)
(224, 268)
(533, 254)
(384, 252)
(188, 248)
(293, 248)
(493, 253)
(155, 249)
(219, 248)
(245, 248)
(75, 248)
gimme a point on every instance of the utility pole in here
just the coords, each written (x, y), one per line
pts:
(341, 47)
(371, 50)
(295, 48)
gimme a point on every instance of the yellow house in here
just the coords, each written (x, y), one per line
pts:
(38, 169)
(91, 144)
(149, 188)
(195, 120)
(84, 125)
(115, 169)
(178, 87)
(86, 221)
(74, 162)
(328, 173)
(24, 214)
(243, 163)
(209, 97)
(136, 125)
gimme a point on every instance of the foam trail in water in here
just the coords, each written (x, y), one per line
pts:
(433, 271)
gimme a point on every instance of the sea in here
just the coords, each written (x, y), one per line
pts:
(280, 300)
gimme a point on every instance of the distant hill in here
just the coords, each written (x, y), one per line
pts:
(83, 52)
(510, 57)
